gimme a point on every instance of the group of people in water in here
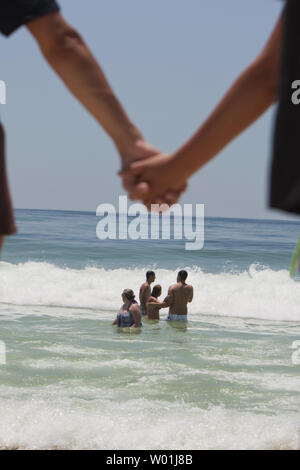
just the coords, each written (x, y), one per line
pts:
(179, 295)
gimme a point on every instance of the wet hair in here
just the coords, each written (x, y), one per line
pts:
(149, 274)
(156, 291)
(129, 294)
(182, 275)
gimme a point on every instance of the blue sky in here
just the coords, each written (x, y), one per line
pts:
(169, 62)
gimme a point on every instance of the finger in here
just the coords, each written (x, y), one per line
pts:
(129, 183)
(148, 205)
(177, 192)
(133, 197)
(158, 206)
(133, 170)
(161, 208)
(132, 185)
(151, 200)
(171, 197)
(139, 191)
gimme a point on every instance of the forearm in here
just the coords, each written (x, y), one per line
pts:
(158, 304)
(68, 55)
(248, 98)
(84, 78)
(163, 305)
(242, 105)
(167, 301)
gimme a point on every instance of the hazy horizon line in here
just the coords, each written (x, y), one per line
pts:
(206, 216)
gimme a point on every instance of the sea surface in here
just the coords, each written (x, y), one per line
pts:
(229, 380)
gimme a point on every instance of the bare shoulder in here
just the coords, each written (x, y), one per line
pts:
(189, 287)
(173, 287)
(135, 308)
(145, 286)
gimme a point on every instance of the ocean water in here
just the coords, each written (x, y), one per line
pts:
(71, 380)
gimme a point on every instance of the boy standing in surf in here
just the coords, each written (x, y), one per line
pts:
(145, 291)
(153, 304)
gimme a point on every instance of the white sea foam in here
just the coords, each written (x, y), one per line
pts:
(260, 293)
(127, 397)
(61, 423)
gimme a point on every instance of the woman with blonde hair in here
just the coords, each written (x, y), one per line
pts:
(130, 312)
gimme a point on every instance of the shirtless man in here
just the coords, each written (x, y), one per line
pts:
(179, 295)
(153, 304)
(145, 291)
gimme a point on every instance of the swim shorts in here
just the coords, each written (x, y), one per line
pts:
(172, 317)
(143, 311)
(16, 13)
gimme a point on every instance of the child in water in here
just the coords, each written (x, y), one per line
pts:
(153, 304)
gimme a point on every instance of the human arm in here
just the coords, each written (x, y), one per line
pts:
(136, 314)
(69, 56)
(157, 304)
(248, 98)
(191, 294)
(169, 300)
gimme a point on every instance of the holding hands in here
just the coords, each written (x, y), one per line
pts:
(149, 175)
(154, 179)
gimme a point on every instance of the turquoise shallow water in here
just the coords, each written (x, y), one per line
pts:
(71, 380)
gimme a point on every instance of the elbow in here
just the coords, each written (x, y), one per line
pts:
(61, 44)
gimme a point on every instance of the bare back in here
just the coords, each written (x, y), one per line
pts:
(153, 307)
(179, 295)
(145, 292)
